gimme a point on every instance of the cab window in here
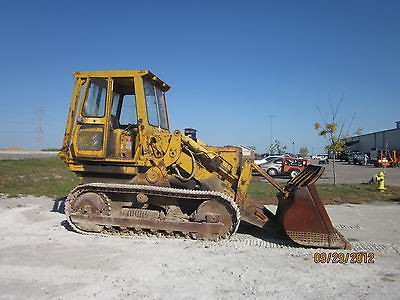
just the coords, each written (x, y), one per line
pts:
(96, 98)
(156, 105)
(162, 107)
(123, 110)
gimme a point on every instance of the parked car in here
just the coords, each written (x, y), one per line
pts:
(290, 166)
(320, 156)
(323, 161)
(356, 158)
(272, 167)
(343, 156)
(266, 159)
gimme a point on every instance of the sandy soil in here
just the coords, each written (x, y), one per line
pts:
(40, 258)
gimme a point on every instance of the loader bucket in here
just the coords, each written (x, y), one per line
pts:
(300, 213)
(303, 216)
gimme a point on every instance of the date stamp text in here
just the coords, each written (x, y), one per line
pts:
(344, 258)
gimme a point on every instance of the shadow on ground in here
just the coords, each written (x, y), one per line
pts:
(397, 200)
(266, 236)
(59, 205)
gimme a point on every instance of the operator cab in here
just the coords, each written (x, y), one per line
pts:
(108, 108)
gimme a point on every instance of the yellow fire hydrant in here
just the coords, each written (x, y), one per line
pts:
(380, 179)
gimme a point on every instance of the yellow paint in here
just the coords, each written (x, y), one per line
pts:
(92, 143)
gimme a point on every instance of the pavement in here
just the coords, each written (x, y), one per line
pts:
(347, 173)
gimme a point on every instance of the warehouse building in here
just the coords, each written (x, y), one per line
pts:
(380, 140)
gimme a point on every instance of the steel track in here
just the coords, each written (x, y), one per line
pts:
(166, 192)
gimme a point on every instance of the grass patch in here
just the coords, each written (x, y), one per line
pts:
(356, 193)
(262, 192)
(330, 194)
(50, 177)
(36, 176)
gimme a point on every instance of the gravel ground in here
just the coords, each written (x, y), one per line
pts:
(40, 258)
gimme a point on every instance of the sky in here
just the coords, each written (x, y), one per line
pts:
(241, 72)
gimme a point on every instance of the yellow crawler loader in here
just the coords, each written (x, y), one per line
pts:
(138, 177)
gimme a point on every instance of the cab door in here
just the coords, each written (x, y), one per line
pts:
(91, 128)
(123, 119)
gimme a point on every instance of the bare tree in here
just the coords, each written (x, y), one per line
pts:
(303, 151)
(333, 131)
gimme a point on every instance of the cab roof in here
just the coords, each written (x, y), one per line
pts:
(123, 73)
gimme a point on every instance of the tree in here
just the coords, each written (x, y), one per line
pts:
(332, 131)
(276, 148)
(303, 151)
(284, 149)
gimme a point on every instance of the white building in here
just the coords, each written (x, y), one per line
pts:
(380, 140)
(248, 152)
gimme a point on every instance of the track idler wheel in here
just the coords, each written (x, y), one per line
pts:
(87, 204)
(212, 211)
(305, 220)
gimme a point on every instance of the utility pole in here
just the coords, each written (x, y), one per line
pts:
(270, 134)
(293, 149)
